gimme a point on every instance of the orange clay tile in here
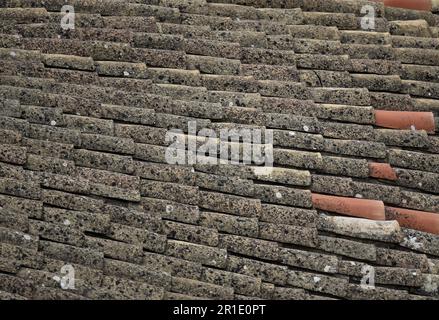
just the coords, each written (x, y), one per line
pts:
(424, 5)
(413, 219)
(405, 120)
(363, 208)
(382, 171)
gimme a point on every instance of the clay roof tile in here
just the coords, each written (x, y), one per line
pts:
(413, 219)
(363, 208)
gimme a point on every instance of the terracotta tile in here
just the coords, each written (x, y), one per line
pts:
(382, 171)
(413, 219)
(424, 5)
(364, 208)
(405, 120)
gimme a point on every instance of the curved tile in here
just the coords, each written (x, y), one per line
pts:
(364, 208)
(424, 5)
(413, 219)
(382, 171)
(405, 120)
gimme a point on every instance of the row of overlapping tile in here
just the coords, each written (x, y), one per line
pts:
(84, 119)
(386, 118)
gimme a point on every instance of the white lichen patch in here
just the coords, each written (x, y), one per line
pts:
(316, 279)
(169, 208)
(329, 269)
(27, 237)
(430, 284)
(412, 242)
(262, 171)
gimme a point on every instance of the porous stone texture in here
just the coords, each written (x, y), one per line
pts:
(114, 163)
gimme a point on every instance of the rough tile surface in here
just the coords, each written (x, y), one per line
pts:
(91, 207)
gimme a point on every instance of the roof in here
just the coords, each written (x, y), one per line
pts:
(85, 177)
